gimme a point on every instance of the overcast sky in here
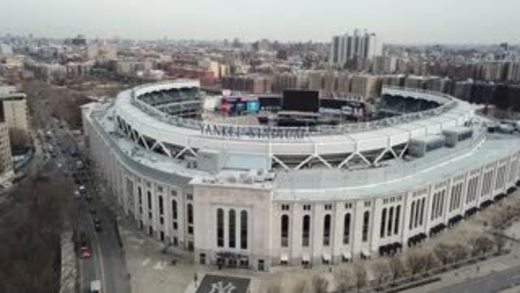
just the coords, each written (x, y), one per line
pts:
(395, 21)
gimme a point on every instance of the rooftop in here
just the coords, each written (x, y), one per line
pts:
(395, 177)
(400, 176)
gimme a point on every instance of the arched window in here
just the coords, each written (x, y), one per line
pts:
(232, 229)
(397, 216)
(285, 230)
(366, 223)
(190, 213)
(306, 230)
(220, 228)
(434, 206)
(149, 200)
(346, 228)
(174, 209)
(243, 230)
(161, 207)
(441, 205)
(390, 221)
(421, 217)
(383, 222)
(412, 212)
(326, 230)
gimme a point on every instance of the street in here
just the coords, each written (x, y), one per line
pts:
(107, 261)
(494, 282)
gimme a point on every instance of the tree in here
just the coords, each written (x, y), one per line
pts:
(275, 286)
(414, 262)
(319, 284)
(343, 278)
(429, 261)
(481, 244)
(381, 271)
(300, 286)
(396, 268)
(500, 242)
(31, 234)
(459, 252)
(359, 276)
(444, 254)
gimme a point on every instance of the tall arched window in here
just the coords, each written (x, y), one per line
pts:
(383, 222)
(421, 217)
(190, 213)
(397, 216)
(174, 209)
(220, 228)
(346, 228)
(412, 211)
(149, 200)
(243, 230)
(418, 212)
(390, 221)
(285, 230)
(232, 229)
(306, 230)
(366, 223)
(161, 207)
(326, 230)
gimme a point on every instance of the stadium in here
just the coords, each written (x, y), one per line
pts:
(257, 182)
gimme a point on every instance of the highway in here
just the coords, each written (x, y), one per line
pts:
(107, 262)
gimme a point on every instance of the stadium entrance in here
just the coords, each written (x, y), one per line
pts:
(232, 260)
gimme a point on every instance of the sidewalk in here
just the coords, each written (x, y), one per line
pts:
(152, 271)
(480, 269)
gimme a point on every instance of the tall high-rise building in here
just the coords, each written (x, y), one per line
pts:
(353, 47)
(13, 112)
(6, 163)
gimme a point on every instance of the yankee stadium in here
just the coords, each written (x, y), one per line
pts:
(295, 179)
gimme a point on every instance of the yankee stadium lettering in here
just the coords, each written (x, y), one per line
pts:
(232, 131)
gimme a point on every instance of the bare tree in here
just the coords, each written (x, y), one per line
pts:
(396, 268)
(360, 276)
(444, 253)
(343, 278)
(480, 244)
(428, 259)
(500, 242)
(459, 252)
(381, 271)
(414, 262)
(30, 238)
(319, 284)
(300, 286)
(275, 286)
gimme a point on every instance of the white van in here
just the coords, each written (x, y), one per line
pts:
(95, 286)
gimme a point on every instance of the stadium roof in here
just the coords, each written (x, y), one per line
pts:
(401, 176)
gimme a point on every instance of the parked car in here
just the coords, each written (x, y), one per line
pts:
(97, 225)
(84, 250)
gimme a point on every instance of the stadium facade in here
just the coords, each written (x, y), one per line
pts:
(261, 196)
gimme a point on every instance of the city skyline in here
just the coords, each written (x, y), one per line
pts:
(403, 21)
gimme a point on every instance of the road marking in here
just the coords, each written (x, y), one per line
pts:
(81, 281)
(159, 265)
(101, 264)
(145, 262)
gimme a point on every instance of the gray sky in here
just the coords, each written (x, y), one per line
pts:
(396, 21)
